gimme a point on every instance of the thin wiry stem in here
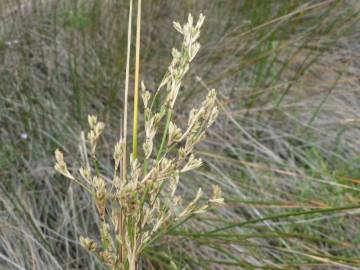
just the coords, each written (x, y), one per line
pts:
(127, 80)
(136, 84)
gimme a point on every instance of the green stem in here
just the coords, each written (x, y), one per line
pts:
(137, 78)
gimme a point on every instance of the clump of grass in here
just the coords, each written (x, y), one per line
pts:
(139, 204)
(284, 153)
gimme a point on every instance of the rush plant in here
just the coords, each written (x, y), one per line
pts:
(139, 203)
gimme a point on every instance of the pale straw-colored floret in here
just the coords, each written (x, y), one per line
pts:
(100, 188)
(150, 131)
(178, 27)
(118, 152)
(175, 133)
(192, 164)
(148, 147)
(146, 95)
(96, 129)
(100, 195)
(105, 235)
(192, 207)
(92, 119)
(135, 171)
(107, 257)
(88, 243)
(213, 115)
(61, 166)
(174, 182)
(216, 197)
(85, 172)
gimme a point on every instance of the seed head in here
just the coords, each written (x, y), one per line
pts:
(175, 133)
(107, 258)
(192, 164)
(191, 208)
(85, 173)
(178, 27)
(118, 152)
(61, 166)
(213, 115)
(88, 244)
(96, 129)
(100, 193)
(146, 95)
(92, 119)
(217, 195)
(147, 147)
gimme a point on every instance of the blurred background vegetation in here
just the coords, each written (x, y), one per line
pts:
(285, 149)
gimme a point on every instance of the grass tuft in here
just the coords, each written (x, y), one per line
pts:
(284, 149)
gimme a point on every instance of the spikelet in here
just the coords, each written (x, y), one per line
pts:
(175, 133)
(96, 129)
(86, 174)
(118, 152)
(88, 244)
(216, 197)
(61, 166)
(108, 258)
(146, 95)
(192, 164)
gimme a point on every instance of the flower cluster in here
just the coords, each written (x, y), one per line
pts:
(136, 209)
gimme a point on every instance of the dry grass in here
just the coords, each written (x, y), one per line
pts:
(284, 150)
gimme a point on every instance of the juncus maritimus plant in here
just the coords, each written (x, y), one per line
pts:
(138, 204)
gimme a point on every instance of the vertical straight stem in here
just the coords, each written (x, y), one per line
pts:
(136, 83)
(127, 80)
(122, 251)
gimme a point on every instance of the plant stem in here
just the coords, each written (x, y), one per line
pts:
(136, 83)
(122, 251)
(127, 90)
